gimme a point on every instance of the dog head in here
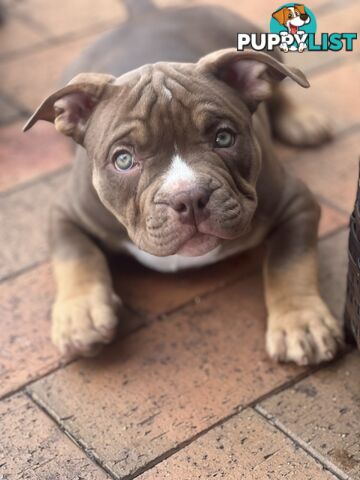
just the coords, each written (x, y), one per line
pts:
(173, 152)
(292, 17)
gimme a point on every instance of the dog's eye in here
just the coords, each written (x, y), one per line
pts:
(289, 16)
(224, 138)
(123, 160)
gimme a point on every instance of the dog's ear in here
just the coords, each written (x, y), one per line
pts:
(300, 8)
(70, 107)
(279, 15)
(252, 74)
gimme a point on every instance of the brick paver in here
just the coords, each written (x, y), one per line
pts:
(169, 381)
(258, 11)
(25, 156)
(25, 348)
(245, 447)
(17, 34)
(24, 225)
(336, 98)
(8, 111)
(33, 448)
(324, 412)
(32, 86)
(331, 171)
(26, 352)
(67, 20)
(154, 293)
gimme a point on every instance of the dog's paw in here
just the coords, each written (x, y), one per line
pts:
(302, 127)
(306, 335)
(81, 325)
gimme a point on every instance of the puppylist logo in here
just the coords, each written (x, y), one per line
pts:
(293, 29)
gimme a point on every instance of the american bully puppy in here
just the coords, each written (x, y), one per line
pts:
(292, 18)
(175, 165)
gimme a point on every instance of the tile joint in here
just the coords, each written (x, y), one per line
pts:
(295, 439)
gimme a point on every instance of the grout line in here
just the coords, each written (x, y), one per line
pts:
(312, 452)
(62, 364)
(22, 271)
(345, 132)
(181, 445)
(333, 206)
(29, 21)
(80, 444)
(22, 388)
(334, 232)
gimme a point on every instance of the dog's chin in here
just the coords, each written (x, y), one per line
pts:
(198, 245)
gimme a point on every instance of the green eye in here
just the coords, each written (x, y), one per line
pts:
(123, 160)
(224, 139)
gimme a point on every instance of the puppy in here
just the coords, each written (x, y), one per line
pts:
(292, 18)
(175, 166)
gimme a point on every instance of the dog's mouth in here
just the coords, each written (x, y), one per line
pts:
(199, 244)
(293, 29)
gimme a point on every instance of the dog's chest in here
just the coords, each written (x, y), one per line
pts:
(175, 263)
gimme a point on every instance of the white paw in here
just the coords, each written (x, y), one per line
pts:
(306, 335)
(303, 127)
(284, 47)
(83, 323)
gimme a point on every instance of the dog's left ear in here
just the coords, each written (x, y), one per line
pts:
(252, 74)
(71, 107)
(279, 15)
(301, 8)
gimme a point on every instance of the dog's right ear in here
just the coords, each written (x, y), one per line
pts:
(279, 15)
(71, 107)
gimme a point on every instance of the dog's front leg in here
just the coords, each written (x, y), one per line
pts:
(84, 313)
(300, 327)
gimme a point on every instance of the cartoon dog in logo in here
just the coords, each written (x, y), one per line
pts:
(292, 18)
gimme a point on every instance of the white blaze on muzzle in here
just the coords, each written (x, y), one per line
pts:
(179, 177)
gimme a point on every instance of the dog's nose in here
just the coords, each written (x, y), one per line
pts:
(304, 16)
(190, 204)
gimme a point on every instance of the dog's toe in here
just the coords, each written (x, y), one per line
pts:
(304, 336)
(83, 324)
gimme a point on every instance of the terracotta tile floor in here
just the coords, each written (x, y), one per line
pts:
(186, 391)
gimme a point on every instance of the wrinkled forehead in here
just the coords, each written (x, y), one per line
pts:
(163, 103)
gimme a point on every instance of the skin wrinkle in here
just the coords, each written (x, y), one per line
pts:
(142, 110)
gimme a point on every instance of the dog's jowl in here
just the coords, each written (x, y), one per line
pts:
(175, 166)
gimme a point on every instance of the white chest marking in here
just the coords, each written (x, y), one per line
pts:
(172, 263)
(175, 263)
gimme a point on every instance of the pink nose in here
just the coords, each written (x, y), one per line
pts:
(190, 204)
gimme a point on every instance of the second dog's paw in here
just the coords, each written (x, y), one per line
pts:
(83, 324)
(302, 127)
(307, 335)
